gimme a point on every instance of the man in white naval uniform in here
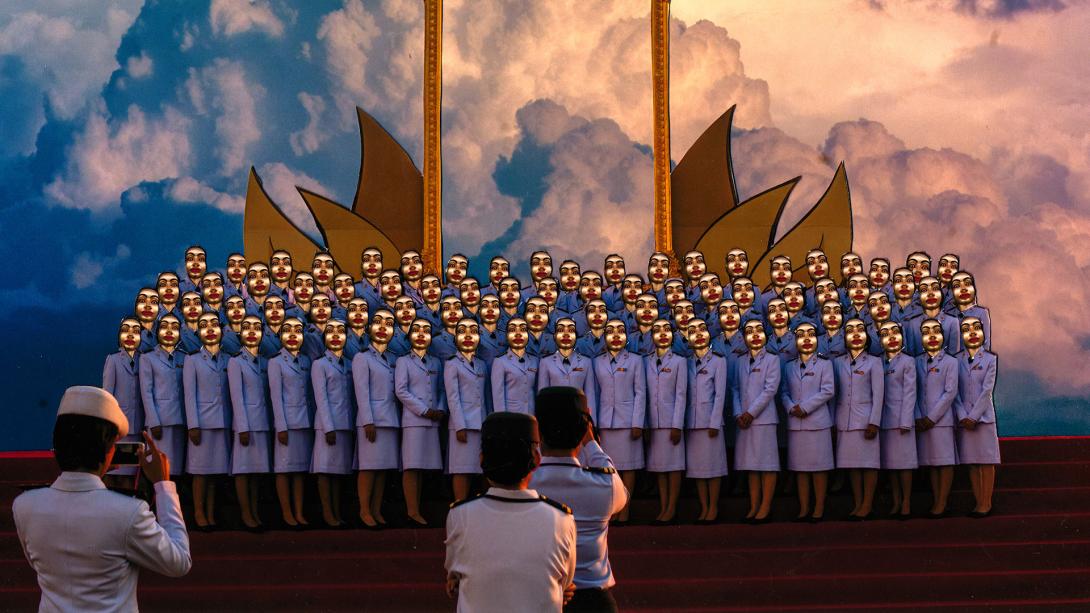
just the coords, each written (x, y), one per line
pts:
(510, 549)
(576, 472)
(87, 543)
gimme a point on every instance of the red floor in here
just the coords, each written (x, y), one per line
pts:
(1034, 554)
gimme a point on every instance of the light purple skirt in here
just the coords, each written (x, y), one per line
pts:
(383, 454)
(420, 449)
(333, 459)
(253, 458)
(464, 458)
(173, 445)
(705, 457)
(664, 456)
(756, 449)
(936, 447)
(212, 456)
(978, 446)
(295, 457)
(810, 451)
(627, 454)
(855, 451)
(898, 450)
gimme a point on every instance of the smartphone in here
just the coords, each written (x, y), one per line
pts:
(128, 454)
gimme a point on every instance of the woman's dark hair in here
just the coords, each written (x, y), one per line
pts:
(81, 442)
(507, 447)
(562, 416)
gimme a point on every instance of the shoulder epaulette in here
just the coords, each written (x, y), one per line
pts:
(718, 354)
(458, 503)
(556, 505)
(601, 470)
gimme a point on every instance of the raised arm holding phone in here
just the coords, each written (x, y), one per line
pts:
(58, 525)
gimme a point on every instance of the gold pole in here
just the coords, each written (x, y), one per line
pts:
(660, 83)
(432, 249)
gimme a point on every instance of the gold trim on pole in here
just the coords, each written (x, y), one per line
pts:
(660, 83)
(432, 249)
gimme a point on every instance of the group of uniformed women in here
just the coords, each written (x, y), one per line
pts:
(263, 368)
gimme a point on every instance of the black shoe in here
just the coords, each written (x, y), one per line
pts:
(815, 520)
(979, 515)
(765, 520)
(801, 520)
(902, 516)
(931, 515)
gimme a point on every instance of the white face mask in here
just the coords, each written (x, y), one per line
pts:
(855, 334)
(382, 327)
(647, 309)
(541, 265)
(743, 292)
(850, 264)
(657, 268)
(948, 267)
(831, 316)
(694, 265)
(711, 290)
(412, 267)
(879, 273)
(858, 290)
(891, 336)
(274, 311)
(303, 288)
(344, 287)
(236, 310)
(737, 263)
(257, 280)
(128, 334)
(930, 293)
(390, 284)
(565, 334)
(972, 333)
(729, 316)
(536, 314)
(755, 335)
(590, 286)
(470, 293)
(236, 268)
(806, 339)
(456, 269)
(147, 305)
(615, 271)
(334, 335)
(963, 288)
(371, 264)
(431, 289)
(208, 326)
(517, 333)
(169, 332)
(322, 270)
(468, 335)
(251, 331)
(357, 314)
(280, 263)
(498, 270)
(697, 333)
(490, 310)
(291, 334)
(616, 336)
(662, 334)
(781, 271)
(167, 288)
(195, 263)
(878, 305)
(212, 288)
(420, 334)
(450, 312)
(931, 332)
(817, 264)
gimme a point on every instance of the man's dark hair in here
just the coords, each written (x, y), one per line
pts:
(562, 416)
(81, 442)
(507, 447)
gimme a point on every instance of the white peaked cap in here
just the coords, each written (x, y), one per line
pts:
(94, 402)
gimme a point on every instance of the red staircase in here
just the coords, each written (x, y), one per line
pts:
(1033, 554)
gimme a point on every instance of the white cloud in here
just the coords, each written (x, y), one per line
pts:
(497, 57)
(280, 182)
(107, 157)
(599, 190)
(232, 17)
(312, 136)
(139, 66)
(188, 189)
(88, 268)
(224, 90)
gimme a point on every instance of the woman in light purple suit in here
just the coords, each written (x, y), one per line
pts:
(808, 387)
(756, 382)
(120, 377)
(418, 381)
(667, 383)
(705, 451)
(334, 420)
(293, 417)
(466, 383)
(248, 382)
(978, 442)
(378, 445)
(860, 387)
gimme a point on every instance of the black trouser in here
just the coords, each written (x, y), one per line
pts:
(592, 599)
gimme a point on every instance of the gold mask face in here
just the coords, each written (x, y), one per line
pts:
(737, 263)
(280, 263)
(169, 332)
(694, 265)
(565, 334)
(518, 333)
(806, 339)
(467, 335)
(334, 335)
(850, 264)
(257, 280)
(412, 267)
(817, 264)
(456, 269)
(250, 331)
(303, 288)
(729, 317)
(195, 264)
(541, 265)
(420, 334)
(616, 335)
(972, 333)
(128, 334)
(891, 336)
(855, 334)
(321, 268)
(614, 267)
(662, 334)
(382, 327)
(371, 264)
(755, 335)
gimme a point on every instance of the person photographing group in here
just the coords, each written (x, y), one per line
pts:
(85, 542)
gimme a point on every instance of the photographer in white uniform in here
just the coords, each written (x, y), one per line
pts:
(85, 542)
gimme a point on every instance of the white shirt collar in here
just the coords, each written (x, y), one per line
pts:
(512, 494)
(73, 481)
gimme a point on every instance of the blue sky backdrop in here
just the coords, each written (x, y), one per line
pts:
(128, 129)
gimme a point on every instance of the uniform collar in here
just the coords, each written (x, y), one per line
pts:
(512, 494)
(556, 460)
(72, 481)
